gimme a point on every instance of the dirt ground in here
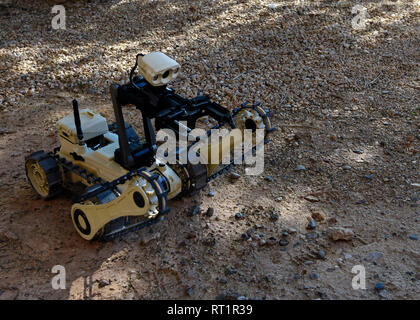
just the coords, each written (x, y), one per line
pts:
(345, 102)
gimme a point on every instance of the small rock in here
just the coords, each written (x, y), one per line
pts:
(358, 151)
(413, 237)
(223, 281)
(311, 236)
(314, 276)
(318, 216)
(379, 286)
(300, 168)
(311, 225)
(292, 230)
(271, 241)
(245, 236)
(194, 211)
(190, 291)
(321, 254)
(234, 176)
(346, 167)
(210, 212)
(279, 198)
(311, 198)
(241, 298)
(268, 178)
(239, 216)
(211, 193)
(368, 176)
(374, 257)
(229, 271)
(191, 235)
(339, 233)
(347, 256)
(103, 283)
(262, 242)
(384, 294)
(149, 237)
(283, 242)
(274, 216)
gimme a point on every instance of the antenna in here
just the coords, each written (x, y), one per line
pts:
(77, 121)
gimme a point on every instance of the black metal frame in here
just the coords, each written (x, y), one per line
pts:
(163, 105)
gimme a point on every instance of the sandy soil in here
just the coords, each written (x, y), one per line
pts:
(346, 105)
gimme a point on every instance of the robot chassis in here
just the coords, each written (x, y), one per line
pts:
(119, 182)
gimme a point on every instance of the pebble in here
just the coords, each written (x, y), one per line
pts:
(210, 193)
(321, 254)
(311, 198)
(374, 257)
(245, 236)
(210, 212)
(239, 216)
(271, 241)
(283, 242)
(292, 230)
(358, 151)
(229, 271)
(103, 283)
(149, 237)
(234, 176)
(314, 276)
(340, 233)
(384, 294)
(318, 216)
(300, 168)
(311, 225)
(193, 211)
(274, 216)
(311, 236)
(346, 168)
(223, 280)
(268, 178)
(368, 176)
(413, 237)
(379, 286)
(279, 198)
(190, 291)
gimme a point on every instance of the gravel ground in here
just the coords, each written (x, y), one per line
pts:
(345, 155)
